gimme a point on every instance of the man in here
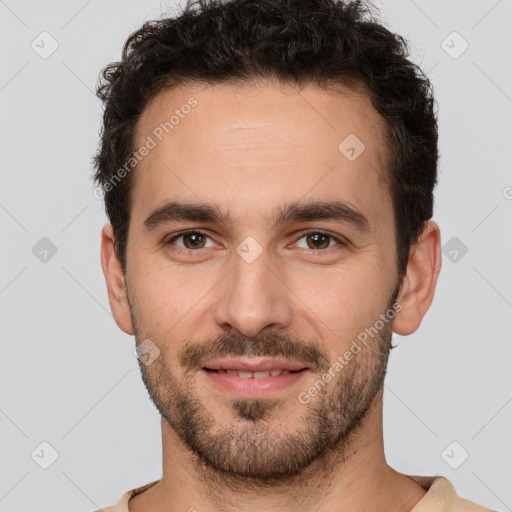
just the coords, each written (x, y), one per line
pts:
(268, 169)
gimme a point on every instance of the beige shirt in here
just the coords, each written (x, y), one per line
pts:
(440, 497)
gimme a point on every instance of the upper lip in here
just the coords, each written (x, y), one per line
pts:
(260, 364)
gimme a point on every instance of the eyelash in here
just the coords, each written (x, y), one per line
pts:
(189, 252)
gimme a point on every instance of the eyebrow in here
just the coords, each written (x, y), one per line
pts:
(294, 212)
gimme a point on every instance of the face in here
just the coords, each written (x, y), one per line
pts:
(262, 238)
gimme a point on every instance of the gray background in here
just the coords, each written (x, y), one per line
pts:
(68, 375)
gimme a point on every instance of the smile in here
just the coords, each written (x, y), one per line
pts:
(254, 375)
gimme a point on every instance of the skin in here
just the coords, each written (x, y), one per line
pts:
(251, 149)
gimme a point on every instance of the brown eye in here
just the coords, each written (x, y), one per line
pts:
(191, 240)
(319, 241)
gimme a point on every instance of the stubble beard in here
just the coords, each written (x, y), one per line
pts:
(260, 446)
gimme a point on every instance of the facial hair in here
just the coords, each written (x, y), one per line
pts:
(259, 446)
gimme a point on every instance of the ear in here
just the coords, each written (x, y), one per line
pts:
(420, 281)
(114, 278)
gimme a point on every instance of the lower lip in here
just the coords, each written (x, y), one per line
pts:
(253, 387)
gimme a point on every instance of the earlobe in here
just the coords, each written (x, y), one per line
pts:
(115, 281)
(420, 281)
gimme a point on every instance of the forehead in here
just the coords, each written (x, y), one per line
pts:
(266, 143)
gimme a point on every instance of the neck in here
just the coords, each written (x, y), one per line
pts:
(352, 476)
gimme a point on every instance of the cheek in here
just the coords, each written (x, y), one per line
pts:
(150, 293)
(168, 299)
(346, 301)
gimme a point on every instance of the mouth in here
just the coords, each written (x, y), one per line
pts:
(255, 377)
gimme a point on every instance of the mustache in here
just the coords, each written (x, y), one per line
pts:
(311, 354)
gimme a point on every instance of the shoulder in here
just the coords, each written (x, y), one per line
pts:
(122, 504)
(442, 497)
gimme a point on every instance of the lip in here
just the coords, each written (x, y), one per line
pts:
(255, 364)
(252, 387)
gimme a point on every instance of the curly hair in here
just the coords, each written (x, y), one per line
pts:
(318, 42)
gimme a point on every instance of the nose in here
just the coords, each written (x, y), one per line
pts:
(254, 297)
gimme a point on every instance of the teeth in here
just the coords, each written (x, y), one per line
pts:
(255, 375)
